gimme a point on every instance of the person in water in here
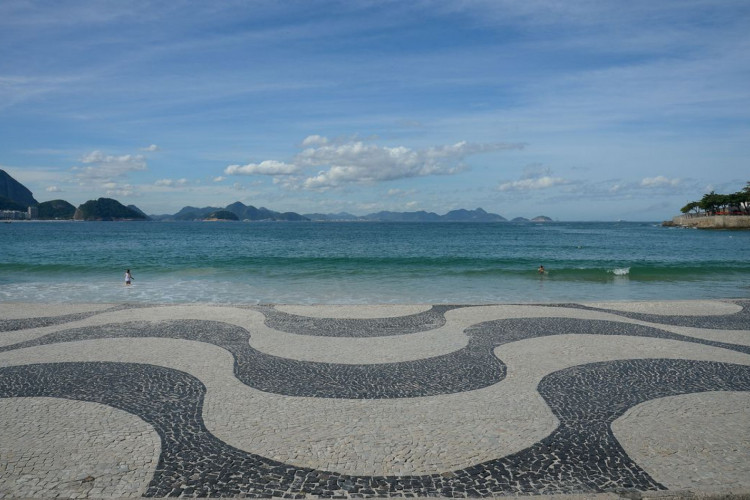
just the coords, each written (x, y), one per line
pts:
(128, 277)
(541, 270)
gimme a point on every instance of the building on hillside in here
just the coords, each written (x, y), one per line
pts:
(13, 215)
(33, 213)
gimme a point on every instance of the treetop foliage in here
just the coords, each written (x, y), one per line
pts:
(722, 204)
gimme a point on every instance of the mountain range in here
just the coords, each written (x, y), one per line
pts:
(15, 196)
(242, 211)
(460, 215)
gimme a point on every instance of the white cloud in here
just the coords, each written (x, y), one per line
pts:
(533, 178)
(53, 189)
(106, 167)
(135, 162)
(268, 167)
(114, 189)
(356, 162)
(151, 148)
(171, 182)
(314, 140)
(401, 192)
(219, 178)
(659, 181)
(533, 184)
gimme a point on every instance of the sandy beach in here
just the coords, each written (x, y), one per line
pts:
(122, 400)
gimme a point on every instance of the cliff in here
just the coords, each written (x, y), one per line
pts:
(15, 191)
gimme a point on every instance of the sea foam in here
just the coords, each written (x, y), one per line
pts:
(620, 271)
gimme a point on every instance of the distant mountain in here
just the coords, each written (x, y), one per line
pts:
(222, 215)
(541, 218)
(249, 212)
(105, 209)
(192, 213)
(520, 219)
(420, 216)
(8, 204)
(341, 216)
(477, 215)
(242, 211)
(461, 215)
(138, 210)
(56, 210)
(15, 191)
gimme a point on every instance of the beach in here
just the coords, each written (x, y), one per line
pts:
(132, 399)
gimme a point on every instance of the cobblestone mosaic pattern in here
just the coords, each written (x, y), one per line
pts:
(353, 327)
(736, 321)
(7, 325)
(580, 454)
(460, 371)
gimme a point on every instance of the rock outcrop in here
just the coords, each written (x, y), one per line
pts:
(15, 191)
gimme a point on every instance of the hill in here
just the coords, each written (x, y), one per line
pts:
(189, 213)
(242, 211)
(541, 218)
(249, 212)
(106, 209)
(15, 191)
(138, 210)
(222, 215)
(477, 215)
(56, 210)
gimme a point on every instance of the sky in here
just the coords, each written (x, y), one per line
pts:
(580, 110)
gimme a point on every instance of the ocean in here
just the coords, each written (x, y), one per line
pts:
(369, 262)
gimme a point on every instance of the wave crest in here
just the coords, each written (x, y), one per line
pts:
(620, 271)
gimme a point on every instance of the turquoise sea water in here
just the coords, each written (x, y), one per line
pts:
(307, 263)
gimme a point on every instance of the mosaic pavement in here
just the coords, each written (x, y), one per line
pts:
(374, 401)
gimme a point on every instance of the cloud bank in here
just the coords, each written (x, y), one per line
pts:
(324, 164)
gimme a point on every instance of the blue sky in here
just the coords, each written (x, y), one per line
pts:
(591, 110)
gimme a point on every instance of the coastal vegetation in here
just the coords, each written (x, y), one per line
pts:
(106, 209)
(721, 204)
(56, 210)
(8, 204)
(222, 215)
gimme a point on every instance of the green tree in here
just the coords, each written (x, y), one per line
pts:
(741, 199)
(709, 203)
(695, 206)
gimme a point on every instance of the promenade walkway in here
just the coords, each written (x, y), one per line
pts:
(616, 399)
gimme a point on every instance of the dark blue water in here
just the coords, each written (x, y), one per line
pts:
(369, 262)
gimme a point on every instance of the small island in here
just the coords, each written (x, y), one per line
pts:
(716, 211)
(221, 215)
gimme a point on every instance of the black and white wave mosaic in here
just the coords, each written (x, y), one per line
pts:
(580, 455)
